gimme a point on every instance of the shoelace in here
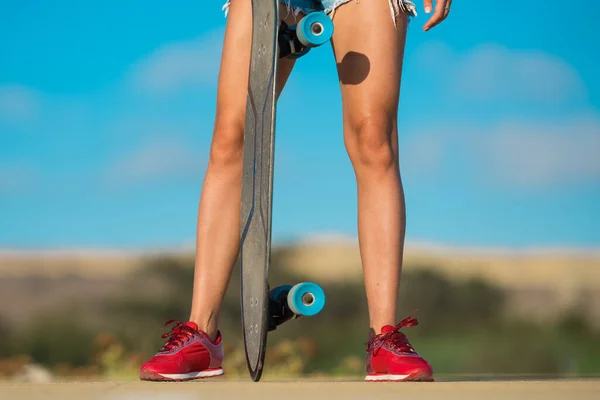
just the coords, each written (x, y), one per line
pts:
(177, 335)
(394, 339)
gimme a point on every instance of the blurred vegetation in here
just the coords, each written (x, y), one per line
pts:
(463, 330)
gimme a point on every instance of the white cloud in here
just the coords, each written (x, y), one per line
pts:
(492, 72)
(545, 153)
(180, 64)
(423, 153)
(515, 153)
(156, 159)
(18, 101)
(533, 152)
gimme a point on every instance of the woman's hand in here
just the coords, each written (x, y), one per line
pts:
(442, 9)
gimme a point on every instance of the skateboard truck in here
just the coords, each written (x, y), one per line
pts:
(290, 302)
(313, 30)
(289, 44)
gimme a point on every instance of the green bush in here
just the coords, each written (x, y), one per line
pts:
(447, 306)
(55, 339)
(6, 339)
(461, 330)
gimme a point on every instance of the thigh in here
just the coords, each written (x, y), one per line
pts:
(235, 63)
(369, 48)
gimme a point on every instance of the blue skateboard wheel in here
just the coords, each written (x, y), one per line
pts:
(314, 29)
(306, 299)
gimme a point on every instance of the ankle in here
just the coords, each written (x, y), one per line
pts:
(375, 328)
(207, 325)
(210, 330)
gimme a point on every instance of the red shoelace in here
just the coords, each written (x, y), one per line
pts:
(394, 339)
(177, 336)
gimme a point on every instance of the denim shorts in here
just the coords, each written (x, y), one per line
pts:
(329, 6)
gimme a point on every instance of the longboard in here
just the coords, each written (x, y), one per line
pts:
(262, 311)
(257, 181)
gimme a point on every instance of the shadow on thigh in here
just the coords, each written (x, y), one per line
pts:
(354, 68)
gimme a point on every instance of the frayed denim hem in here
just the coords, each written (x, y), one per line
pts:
(396, 8)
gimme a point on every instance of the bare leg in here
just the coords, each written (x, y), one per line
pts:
(369, 51)
(218, 230)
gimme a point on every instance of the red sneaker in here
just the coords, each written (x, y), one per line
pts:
(188, 354)
(391, 357)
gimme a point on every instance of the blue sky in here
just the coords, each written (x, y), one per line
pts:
(106, 112)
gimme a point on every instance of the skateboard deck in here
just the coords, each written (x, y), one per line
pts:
(257, 181)
(260, 313)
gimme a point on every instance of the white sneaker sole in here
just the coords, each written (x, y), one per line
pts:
(193, 375)
(388, 377)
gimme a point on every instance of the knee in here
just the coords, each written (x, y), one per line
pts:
(227, 146)
(369, 142)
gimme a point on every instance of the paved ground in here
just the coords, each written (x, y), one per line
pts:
(306, 390)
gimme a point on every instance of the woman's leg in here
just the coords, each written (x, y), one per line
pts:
(218, 229)
(369, 50)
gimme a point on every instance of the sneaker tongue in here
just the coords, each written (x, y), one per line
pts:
(387, 328)
(192, 325)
